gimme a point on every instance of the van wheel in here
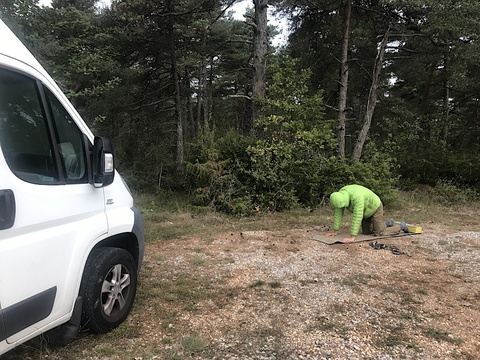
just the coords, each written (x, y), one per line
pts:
(108, 288)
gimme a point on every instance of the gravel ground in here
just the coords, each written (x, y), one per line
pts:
(265, 295)
(290, 297)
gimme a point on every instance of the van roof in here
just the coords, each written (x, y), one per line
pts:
(12, 47)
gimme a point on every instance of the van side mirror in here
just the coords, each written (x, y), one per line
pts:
(103, 164)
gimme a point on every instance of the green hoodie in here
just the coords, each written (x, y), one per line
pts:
(357, 199)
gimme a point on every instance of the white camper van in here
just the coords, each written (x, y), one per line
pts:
(71, 240)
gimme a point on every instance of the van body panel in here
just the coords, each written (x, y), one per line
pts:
(58, 221)
(46, 233)
(29, 311)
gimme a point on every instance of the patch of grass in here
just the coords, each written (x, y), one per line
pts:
(322, 323)
(191, 307)
(198, 261)
(343, 331)
(158, 258)
(403, 293)
(105, 349)
(421, 291)
(308, 282)
(275, 284)
(390, 289)
(168, 320)
(256, 283)
(406, 316)
(193, 344)
(173, 355)
(389, 340)
(440, 335)
(462, 297)
(228, 260)
(169, 216)
(394, 337)
(407, 298)
(171, 231)
(127, 330)
(355, 280)
(393, 340)
(195, 290)
(339, 308)
(166, 201)
(177, 290)
(463, 355)
(263, 332)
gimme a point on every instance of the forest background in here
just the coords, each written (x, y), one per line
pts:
(384, 93)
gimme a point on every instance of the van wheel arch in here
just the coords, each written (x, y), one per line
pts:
(126, 241)
(108, 288)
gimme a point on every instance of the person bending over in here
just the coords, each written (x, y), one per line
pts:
(365, 206)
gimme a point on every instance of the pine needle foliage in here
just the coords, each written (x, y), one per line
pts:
(294, 140)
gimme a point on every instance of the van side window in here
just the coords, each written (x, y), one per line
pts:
(24, 132)
(70, 142)
(31, 147)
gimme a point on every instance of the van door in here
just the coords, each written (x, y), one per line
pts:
(2, 328)
(57, 214)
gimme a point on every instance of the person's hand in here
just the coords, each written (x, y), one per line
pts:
(334, 233)
(349, 239)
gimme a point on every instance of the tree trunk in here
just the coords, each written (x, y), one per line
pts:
(177, 98)
(343, 84)
(209, 94)
(372, 99)
(179, 118)
(202, 89)
(446, 99)
(192, 130)
(427, 88)
(260, 48)
(198, 117)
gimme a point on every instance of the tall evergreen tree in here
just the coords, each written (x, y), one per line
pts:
(260, 50)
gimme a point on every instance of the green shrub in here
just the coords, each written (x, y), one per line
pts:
(447, 193)
(289, 162)
(294, 138)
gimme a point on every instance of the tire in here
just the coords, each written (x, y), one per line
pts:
(108, 289)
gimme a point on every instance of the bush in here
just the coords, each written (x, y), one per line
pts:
(289, 162)
(447, 193)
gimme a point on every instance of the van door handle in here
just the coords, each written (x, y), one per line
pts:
(7, 209)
